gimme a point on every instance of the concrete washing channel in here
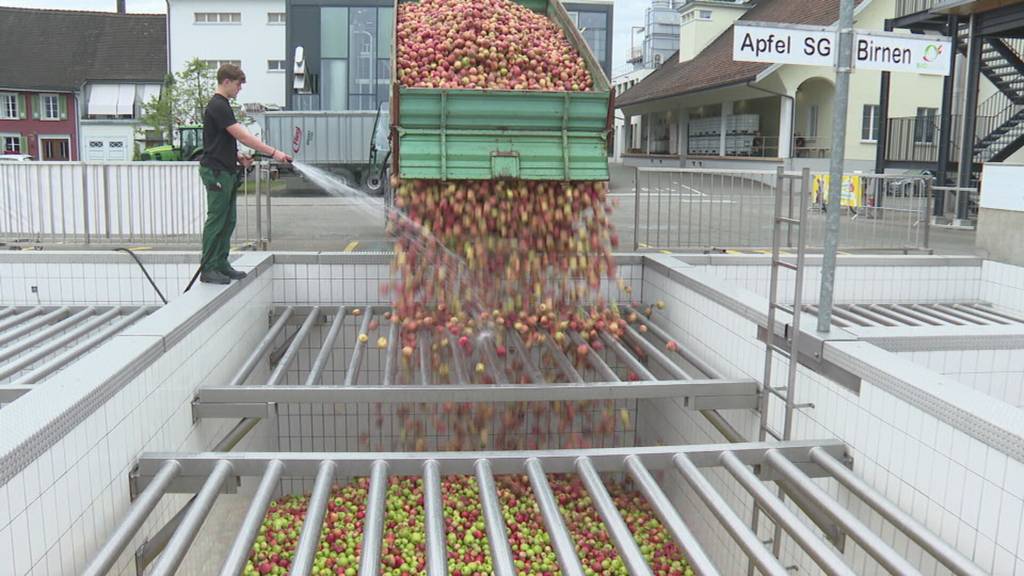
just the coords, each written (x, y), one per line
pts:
(908, 440)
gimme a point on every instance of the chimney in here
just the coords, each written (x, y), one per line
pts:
(121, 7)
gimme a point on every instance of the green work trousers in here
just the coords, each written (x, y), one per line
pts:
(221, 215)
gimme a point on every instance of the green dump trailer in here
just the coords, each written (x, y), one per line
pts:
(474, 134)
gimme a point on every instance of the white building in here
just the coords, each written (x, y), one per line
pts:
(249, 33)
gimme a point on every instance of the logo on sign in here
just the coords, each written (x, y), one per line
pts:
(297, 140)
(932, 53)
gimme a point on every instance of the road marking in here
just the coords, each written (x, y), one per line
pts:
(141, 248)
(737, 252)
(666, 251)
(642, 245)
(351, 246)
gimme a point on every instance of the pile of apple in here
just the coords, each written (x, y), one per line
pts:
(494, 44)
(403, 551)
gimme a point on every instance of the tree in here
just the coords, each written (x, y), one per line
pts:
(183, 99)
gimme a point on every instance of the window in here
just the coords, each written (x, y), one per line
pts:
(704, 14)
(275, 65)
(216, 64)
(870, 123)
(355, 47)
(12, 144)
(276, 18)
(218, 17)
(594, 28)
(51, 107)
(9, 106)
(925, 125)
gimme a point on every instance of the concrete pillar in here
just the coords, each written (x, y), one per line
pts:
(785, 127)
(684, 132)
(726, 112)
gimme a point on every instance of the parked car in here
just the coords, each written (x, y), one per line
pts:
(15, 157)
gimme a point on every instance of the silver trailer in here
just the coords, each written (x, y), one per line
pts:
(353, 144)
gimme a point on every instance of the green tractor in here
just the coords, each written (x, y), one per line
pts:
(190, 148)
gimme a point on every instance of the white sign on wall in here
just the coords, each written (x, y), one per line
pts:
(1000, 187)
(902, 52)
(783, 44)
(817, 46)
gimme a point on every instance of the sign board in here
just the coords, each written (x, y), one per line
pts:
(902, 52)
(817, 46)
(783, 44)
(852, 190)
(1001, 188)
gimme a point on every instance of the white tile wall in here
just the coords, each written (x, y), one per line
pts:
(89, 283)
(863, 284)
(998, 373)
(897, 448)
(1003, 285)
(60, 509)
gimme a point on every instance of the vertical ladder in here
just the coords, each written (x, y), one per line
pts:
(793, 218)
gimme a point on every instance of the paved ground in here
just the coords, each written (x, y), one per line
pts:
(674, 213)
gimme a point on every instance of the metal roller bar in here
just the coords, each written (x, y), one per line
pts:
(289, 355)
(524, 355)
(261, 349)
(458, 361)
(327, 348)
(849, 317)
(944, 553)
(493, 364)
(666, 512)
(373, 527)
(901, 319)
(137, 514)
(239, 553)
(391, 354)
(926, 314)
(43, 335)
(423, 344)
(989, 309)
(837, 319)
(433, 510)
(964, 316)
(865, 312)
(564, 364)
(948, 317)
(31, 325)
(355, 363)
(594, 359)
(75, 353)
(979, 313)
(309, 539)
(501, 553)
(737, 528)
(660, 357)
(657, 331)
(561, 540)
(617, 529)
(823, 554)
(871, 542)
(54, 345)
(9, 311)
(19, 318)
(908, 312)
(624, 355)
(169, 561)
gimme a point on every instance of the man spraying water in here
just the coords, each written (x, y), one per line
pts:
(221, 174)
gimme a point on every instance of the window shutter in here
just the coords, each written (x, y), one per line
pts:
(36, 106)
(62, 106)
(21, 106)
(23, 144)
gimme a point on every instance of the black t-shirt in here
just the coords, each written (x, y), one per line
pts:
(220, 149)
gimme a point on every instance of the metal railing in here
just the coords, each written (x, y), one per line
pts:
(951, 199)
(104, 203)
(700, 209)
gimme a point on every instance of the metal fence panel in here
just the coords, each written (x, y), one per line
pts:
(699, 209)
(85, 202)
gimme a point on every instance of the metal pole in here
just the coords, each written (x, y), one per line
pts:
(289, 355)
(823, 554)
(239, 553)
(356, 362)
(48, 348)
(327, 348)
(836, 165)
(636, 207)
(373, 528)
(433, 511)
(19, 318)
(45, 334)
(501, 553)
(172, 556)
(942, 552)
(969, 116)
(668, 515)
(561, 540)
(309, 540)
(617, 529)
(946, 121)
(140, 510)
(739, 531)
(261, 349)
(20, 331)
(871, 542)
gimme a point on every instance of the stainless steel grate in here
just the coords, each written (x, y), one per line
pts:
(208, 474)
(36, 342)
(913, 314)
